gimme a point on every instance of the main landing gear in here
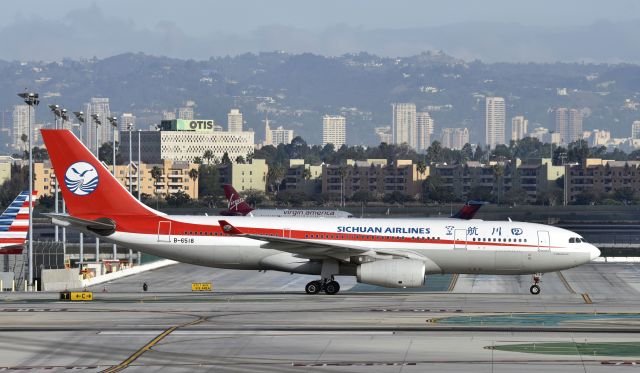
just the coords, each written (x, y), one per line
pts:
(535, 288)
(329, 287)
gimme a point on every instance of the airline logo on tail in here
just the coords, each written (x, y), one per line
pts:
(14, 224)
(236, 205)
(81, 178)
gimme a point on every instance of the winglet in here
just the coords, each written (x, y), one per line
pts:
(228, 228)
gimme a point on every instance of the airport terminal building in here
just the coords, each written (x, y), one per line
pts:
(185, 140)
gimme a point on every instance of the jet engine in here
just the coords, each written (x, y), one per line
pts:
(392, 273)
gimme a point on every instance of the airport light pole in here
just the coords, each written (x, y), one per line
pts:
(64, 117)
(31, 99)
(80, 116)
(139, 253)
(130, 128)
(57, 112)
(96, 120)
(114, 123)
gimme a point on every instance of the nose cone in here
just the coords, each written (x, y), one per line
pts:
(594, 252)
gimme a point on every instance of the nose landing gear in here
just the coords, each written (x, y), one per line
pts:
(535, 288)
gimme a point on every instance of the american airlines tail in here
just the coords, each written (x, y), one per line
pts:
(14, 224)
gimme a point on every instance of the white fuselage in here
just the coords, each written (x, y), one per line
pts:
(448, 245)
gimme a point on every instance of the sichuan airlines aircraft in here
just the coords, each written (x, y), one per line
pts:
(384, 252)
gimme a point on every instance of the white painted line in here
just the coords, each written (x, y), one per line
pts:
(243, 332)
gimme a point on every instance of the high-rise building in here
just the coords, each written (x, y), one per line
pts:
(20, 126)
(186, 112)
(446, 138)
(568, 125)
(540, 133)
(334, 130)
(635, 130)
(519, 127)
(495, 121)
(454, 138)
(276, 136)
(234, 121)
(384, 134)
(404, 124)
(127, 122)
(424, 130)
(169, 115)
(100, 107)
(459, 138)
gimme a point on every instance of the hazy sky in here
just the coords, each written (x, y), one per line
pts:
(199, 28)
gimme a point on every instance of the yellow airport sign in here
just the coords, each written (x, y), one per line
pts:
(76, 295)
(201, 286)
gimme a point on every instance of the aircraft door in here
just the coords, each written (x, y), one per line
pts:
(543, 240)
(164, 231)
(286, 232)
(460, 239)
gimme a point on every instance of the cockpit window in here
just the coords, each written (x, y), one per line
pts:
(576, 240)
(572, 240)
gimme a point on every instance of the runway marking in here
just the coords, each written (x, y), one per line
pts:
(246, 332)
(361, 364)
(454, 281)
(148, 346)
(565, 282)
(587, 298)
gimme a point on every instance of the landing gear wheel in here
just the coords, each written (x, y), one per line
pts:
(313, 287)
(534, 289)
(332, 287)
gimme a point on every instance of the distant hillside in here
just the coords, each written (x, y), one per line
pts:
(298, 89)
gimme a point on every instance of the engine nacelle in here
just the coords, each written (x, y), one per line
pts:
(392, 273)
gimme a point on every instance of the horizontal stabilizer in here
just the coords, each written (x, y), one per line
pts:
(103, 227)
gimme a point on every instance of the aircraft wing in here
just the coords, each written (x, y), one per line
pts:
(311, 249)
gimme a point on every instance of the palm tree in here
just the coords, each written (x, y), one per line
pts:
(306, 174)
(193, 174)
(208, 155)
(156, 174)
(421, 167)
(275, 175)
(197, 160)
(24, 139)
(498, 171)
(342, 171)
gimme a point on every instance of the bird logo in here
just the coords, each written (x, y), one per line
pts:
(81, 178)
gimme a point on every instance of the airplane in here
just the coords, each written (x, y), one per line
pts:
(385, 252)
(237, 206)
(14, 224)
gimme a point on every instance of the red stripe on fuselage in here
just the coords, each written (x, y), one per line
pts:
(149, 225)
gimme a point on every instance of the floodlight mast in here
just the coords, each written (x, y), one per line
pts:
(32, 99)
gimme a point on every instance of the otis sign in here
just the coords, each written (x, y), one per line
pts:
(200, 125)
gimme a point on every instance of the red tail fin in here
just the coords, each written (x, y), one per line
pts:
(236, 205)
(87, 185)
